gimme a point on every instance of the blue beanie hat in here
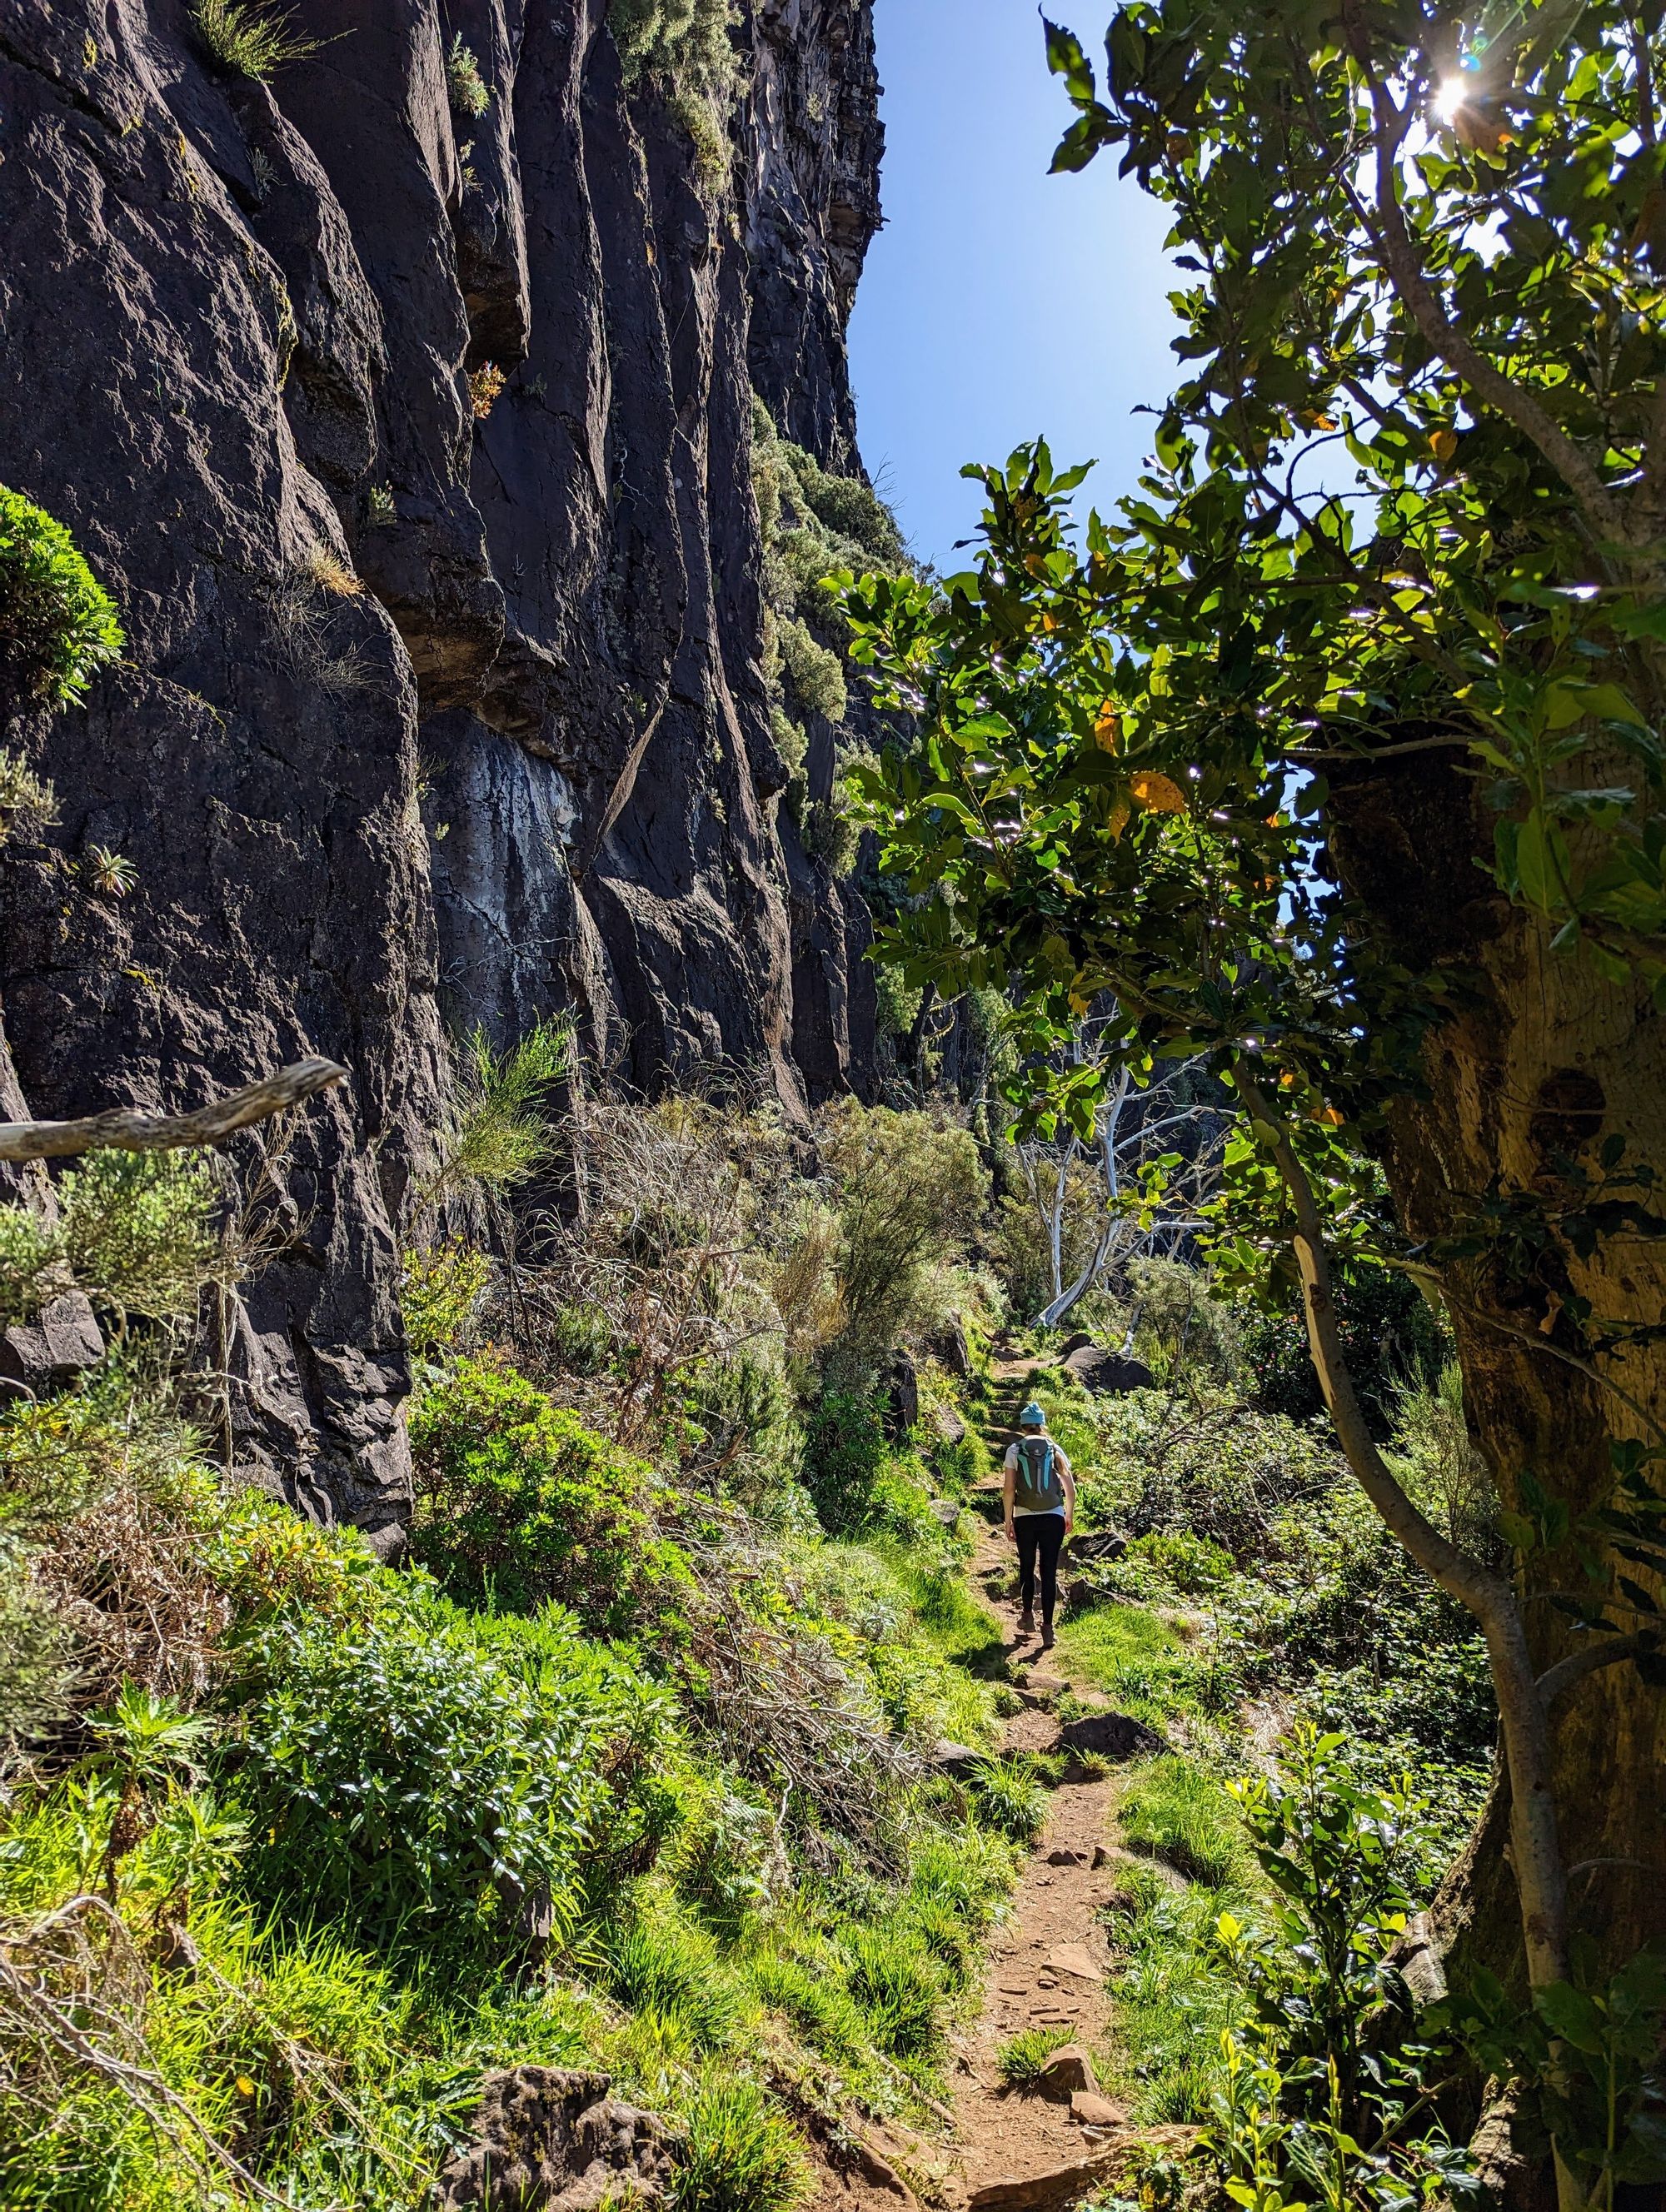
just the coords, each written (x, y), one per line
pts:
(1032, 1417)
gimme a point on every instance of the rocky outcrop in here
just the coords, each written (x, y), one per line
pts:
(426, 718)
(548, 2139)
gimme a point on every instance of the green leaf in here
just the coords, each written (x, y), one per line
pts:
(1065, 58)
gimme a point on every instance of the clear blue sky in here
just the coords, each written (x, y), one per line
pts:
(999, 302)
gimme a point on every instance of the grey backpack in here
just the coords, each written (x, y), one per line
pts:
(1036, 1487)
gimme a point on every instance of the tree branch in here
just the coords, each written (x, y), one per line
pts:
(1417, 295)
(1540, 1879)
(1590, 1660)
(126, 1130)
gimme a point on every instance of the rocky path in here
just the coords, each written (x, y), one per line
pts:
(1054, 2145)
(1047, 1969)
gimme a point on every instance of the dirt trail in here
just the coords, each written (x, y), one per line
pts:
(1047, 1968)
(1014, 2150)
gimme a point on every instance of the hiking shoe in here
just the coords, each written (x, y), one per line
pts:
(1027, 1621)
(1047, 1638)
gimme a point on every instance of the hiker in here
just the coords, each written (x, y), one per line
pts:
(1040, 1497)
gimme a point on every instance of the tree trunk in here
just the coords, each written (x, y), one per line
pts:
(1540, 1057)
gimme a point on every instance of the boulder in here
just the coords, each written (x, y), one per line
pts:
(1107, 1374)
(957, 1760)
(902, 1393)
(1089, 2110)
(1067, 2073)
(52, 1350)
(1108, 1735)
(950, 1349)
(945, 1510)
(1089, 1547)
(548, 2139)
(948, 1425)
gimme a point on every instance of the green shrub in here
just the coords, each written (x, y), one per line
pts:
(58, 624)
(440, 1293)
(845, 1447)
(1190, 1563)
(1022, 2062)
(517, 1501)
(403, 1774)
(498, 1135)
(1009, 1797)
(134, 1231)
(849, 507)
(24, 796)
(56, 621)
(247, 39)
(911, 1190)
(1391, 1336)
(739, 2154)
(817, 676)
(687, 40)
(466, 88)
(36, 1650)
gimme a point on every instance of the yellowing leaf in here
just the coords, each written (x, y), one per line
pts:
(1117, 820)
(1108, 730)
(1443, 444)
(1328, 1115)
(1156, 792)
(1049, 621)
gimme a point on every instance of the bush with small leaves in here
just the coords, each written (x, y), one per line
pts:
(247, 39)
(518, 1502)
(439, 1294)
(413, 1773)
(817, 676)
(58, 624)
(25, 797)
(468, 90)
(486, 385)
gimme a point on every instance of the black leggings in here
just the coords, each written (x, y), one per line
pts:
(1040, 1535)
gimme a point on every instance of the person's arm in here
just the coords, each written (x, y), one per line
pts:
(1008, 1478)
(1069, 1492)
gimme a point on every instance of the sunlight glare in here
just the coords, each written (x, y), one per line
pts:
(1450, 95)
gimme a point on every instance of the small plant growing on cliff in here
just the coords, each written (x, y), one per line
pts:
(112, 874)
(24, 796)
(249, 41)
(58, 624)
(501, 1135)
(485, 384)
(383, 513)
(330, 573)
(469, 91)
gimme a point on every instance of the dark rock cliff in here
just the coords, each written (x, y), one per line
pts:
(425, 719)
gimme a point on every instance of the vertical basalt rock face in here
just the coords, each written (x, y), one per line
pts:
(425, 718)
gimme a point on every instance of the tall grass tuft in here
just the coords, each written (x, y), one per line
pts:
(738, 2154)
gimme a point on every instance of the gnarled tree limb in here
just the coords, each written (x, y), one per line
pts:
(1589, 1659)
(127, 1130)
